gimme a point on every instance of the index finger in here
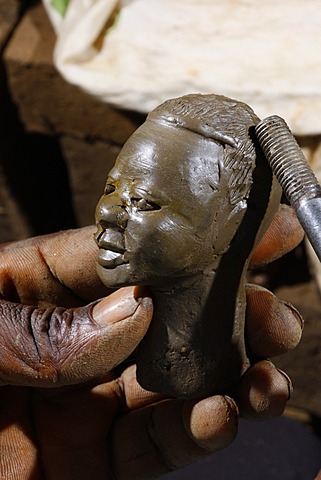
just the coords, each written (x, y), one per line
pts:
(57, 269)
(71, 256)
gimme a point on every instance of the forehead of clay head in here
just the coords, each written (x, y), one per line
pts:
(169, 162)
(189, 143)
(224, 122)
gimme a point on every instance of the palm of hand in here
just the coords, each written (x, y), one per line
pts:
(104, 425)
(102, 431)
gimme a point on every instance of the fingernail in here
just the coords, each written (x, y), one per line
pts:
(295, 313)
(232, 406)
(289, 382)
(118, 306)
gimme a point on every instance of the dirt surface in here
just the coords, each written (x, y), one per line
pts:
(291, 280)
(304, 363)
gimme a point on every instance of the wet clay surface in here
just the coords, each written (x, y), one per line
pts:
(188, 198)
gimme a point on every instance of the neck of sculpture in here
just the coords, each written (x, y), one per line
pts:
(209, 301)
(184, 304)
(199, 322)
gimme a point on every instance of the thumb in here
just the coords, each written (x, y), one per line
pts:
(58, 346)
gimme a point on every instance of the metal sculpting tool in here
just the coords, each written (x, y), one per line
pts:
(294, 174)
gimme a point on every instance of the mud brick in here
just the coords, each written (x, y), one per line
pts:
(89, 133)
(88, 164)
(9, 13)
(12, 223)
(47, 103)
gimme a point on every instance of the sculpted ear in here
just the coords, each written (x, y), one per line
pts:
(231, 194)
(227, 223)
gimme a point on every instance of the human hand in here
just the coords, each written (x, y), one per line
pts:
(98, 422)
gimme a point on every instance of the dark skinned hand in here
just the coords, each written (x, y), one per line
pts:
(70, 405)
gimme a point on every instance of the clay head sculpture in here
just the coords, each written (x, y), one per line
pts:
(188, 197)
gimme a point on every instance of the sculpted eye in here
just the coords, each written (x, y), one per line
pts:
(143, 205)
(109, 188)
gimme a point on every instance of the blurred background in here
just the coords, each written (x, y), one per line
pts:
(59, 136)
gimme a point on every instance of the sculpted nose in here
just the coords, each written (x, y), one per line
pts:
(112, 215)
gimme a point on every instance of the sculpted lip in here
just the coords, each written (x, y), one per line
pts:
(110, 255)
(110, 259)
